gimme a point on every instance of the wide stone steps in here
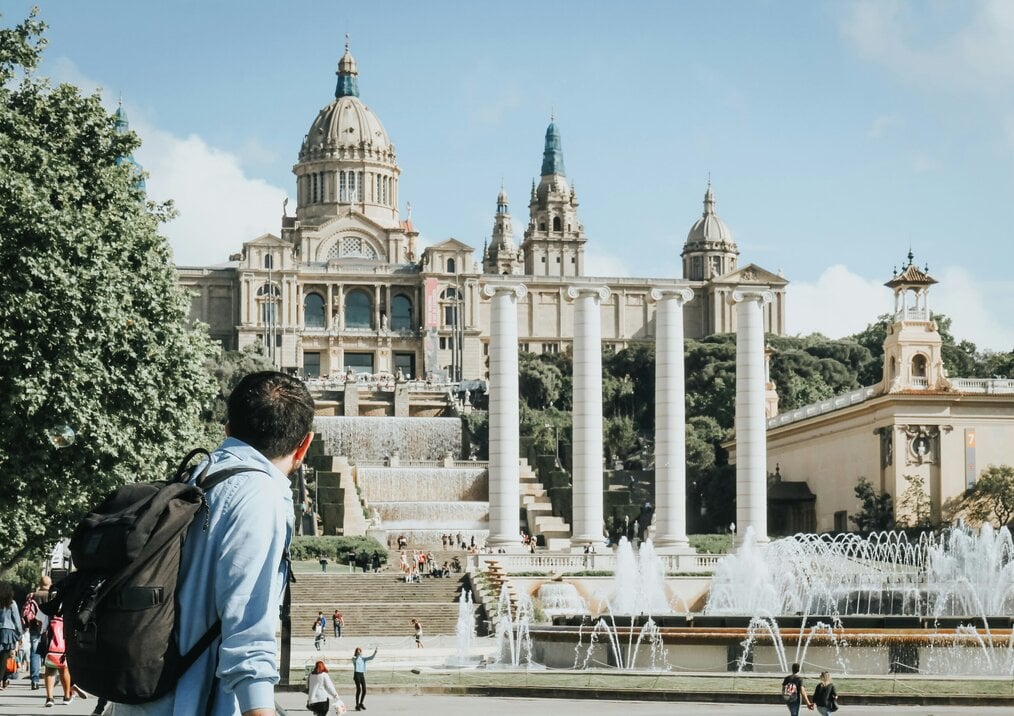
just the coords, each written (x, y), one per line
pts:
(379, 604)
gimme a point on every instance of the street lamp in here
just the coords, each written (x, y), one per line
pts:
(556, 441)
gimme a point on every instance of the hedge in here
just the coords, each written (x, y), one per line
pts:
(356, 550)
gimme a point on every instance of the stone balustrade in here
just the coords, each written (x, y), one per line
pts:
(569, 562)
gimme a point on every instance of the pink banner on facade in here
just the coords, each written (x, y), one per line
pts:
(432, 299)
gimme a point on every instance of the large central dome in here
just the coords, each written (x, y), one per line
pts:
(346, 127)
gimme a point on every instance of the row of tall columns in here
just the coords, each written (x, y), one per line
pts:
(670, 415)
(751, 423)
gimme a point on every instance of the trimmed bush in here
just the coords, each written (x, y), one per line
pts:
(350, 550)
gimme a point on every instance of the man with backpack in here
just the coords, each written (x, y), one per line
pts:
(793, 692)
(234, 564)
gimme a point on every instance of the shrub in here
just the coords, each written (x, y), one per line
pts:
(357, 550)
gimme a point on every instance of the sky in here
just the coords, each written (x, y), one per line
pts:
(837, 135)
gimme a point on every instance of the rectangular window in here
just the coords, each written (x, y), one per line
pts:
(543, 259)
(443, 343)
(525, 348)
(359, 362)
(405, 362)
(311, 364)
(485, 349)
(841, 521)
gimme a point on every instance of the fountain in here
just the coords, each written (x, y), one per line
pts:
(465, 631)
(373, 438)
(557, 598)
(940, 605)
(639, 581)
(513, 633)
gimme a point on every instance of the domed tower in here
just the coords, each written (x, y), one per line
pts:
(347, 162)
(912, 347)
(710, 251)
(502, 255)
(554, 240)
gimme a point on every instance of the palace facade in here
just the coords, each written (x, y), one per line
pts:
(345, 287)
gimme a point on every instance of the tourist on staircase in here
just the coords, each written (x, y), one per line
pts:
(359, 675)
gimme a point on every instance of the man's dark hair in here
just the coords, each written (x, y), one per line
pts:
(271, 412)
(795, 668)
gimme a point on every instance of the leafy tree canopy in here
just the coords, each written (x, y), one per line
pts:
(93, 330)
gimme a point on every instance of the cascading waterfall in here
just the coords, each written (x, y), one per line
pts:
(364, 438)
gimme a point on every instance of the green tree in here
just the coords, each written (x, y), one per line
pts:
(992, 496)
(877, 511)
(93, 331)
(915, 505)
(539, 381)
(228, 368)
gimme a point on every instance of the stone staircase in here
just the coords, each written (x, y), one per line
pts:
(538, 511)
(379, 604)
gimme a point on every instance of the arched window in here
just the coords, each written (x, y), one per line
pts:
(358, 310)
(269, 297)
(450, 265)
(557, 224)
(313, 310)
(542, 226)
(269, 261)
(401, 313)
(919, 366)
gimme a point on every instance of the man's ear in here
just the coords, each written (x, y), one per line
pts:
(304, 445)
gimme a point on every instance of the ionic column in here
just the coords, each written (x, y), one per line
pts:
(751, 426)
(587, 415)
(670, 420)
(504, 415)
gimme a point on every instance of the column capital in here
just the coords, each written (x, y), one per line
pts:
(491, 289)
(577, 291)
(681, 293)
(742, 295)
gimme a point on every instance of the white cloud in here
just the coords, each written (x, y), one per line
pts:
(838, 303)
(841, 302)
(219, 206)
(922, 163)
(975, 55)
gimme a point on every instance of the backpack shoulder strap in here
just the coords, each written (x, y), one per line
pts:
(207, 482)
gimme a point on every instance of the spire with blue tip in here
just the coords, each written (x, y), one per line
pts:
(348, 74)
(122, 127)
(552, 155)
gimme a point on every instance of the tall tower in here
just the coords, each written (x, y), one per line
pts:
(709, 251)
(912, 348)
(554, 240)
(502, 255)
(122, 127)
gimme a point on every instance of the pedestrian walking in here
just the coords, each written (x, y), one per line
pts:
(794, 693)
(36, 622)
(359, 675)
(10, 631)
(55, 660)
(418, 633)
(825, 695)
(321, 693)
(323, 564)
(337, 622)
(319, 624)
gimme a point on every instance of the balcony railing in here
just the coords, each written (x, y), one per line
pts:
(984, 386)
(913, 314)
(824, 406)
(568, 562)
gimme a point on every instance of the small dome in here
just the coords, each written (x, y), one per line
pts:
(346, 123)
(709, 228)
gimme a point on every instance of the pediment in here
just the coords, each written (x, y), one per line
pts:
(751, 274)
(451, 245)
(266, 240)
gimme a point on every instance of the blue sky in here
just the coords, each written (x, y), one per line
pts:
(836, 134)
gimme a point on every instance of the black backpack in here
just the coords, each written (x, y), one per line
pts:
(119, 606)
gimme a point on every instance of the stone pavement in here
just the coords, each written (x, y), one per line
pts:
(388, 703)
(19, 700)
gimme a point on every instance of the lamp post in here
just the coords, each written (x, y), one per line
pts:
(556, 443)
